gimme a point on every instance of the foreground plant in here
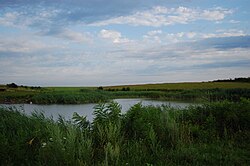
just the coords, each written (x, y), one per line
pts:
(208, 134)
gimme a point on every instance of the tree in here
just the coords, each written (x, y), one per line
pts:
(100, 88)
(12, 85)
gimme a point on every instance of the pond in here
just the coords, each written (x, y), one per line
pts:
(67, 111)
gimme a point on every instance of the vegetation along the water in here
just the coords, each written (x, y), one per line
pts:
(217, 133)
(231, 89)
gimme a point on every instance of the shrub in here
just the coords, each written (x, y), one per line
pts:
(12, 85)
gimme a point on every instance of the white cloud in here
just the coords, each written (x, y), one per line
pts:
(68, 34)
(161, 54)
(161, 37)
(114, 36)
(162, 16)
(23, 45)
(75, 36)
(42, 20)
(224, 33)
(191, 34)
(157, 63)
(156, 32)
(153, 36)
(215, 15)
(8, 19)
(234, 21)
(41, 17)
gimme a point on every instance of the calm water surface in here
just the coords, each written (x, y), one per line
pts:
(85, 109)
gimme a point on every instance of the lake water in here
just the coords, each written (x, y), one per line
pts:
(67, 111)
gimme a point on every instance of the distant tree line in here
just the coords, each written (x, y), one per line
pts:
(100, 88)
(241, 79)
(13, 85)
(123, 89)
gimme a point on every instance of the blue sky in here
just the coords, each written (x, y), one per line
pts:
(98, 42)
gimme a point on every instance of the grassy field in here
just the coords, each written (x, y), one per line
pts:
(203, 91)
(69, 89)
(51, 95)
(210, 134)
(183, 86)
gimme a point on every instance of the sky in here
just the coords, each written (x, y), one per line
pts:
(117, 42)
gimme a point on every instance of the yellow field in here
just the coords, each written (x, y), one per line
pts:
(185, 85)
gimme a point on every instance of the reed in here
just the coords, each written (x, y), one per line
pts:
(209, 134)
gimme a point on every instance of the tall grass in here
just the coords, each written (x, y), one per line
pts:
(209, 134)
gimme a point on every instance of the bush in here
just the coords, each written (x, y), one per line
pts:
(219, 119)
(12, 85)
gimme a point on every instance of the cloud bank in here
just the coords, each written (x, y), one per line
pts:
(92, 43)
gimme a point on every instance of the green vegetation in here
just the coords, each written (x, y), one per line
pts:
(241, 79)
(52, 95)
(12, 85)
(183, 86)
(209, 134)
(231, 90)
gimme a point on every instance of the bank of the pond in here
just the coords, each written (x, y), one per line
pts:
(67, 110)
(209, 134)
(85, 95)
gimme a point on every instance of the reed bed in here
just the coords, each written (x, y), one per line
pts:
(209, 134)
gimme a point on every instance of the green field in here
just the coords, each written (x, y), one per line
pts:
(203, 91)
(184, 86)
(69, 89)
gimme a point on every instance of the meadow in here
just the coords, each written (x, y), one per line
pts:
(184, 86)
(215, 133)
(199, 91)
